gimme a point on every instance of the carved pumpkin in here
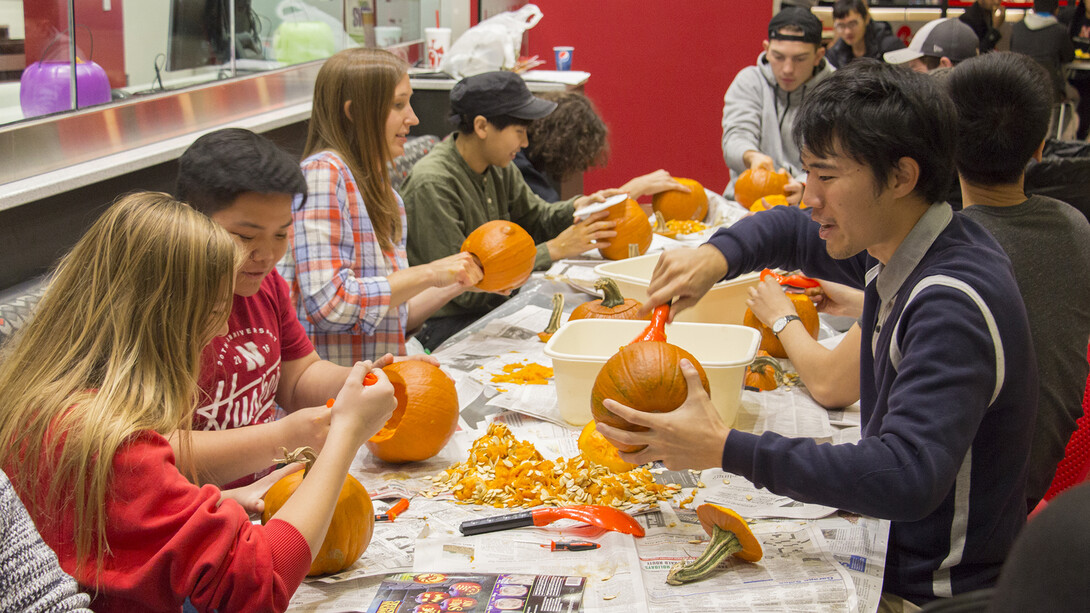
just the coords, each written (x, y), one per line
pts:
(597, 449)
(674, 204)
(754, 184)
(766, 202)
(632, 227)
(426, 414)
(350, 529)
(506, 252)
(612, 305)
(646, 376)
(806, 311)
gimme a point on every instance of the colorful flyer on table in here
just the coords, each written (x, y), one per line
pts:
(478, 592)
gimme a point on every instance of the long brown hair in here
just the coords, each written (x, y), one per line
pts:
(367, 77)
(113, 349)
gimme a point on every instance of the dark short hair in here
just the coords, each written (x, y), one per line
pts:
(222, 165)
(1004, 105)
(465, 122)
(1045, 6)
(841, 8)
(876, 114)
(569, 140)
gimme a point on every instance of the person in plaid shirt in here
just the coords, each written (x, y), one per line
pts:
(351, 284)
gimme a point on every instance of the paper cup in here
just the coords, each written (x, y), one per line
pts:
(437, 41)
(563, 57)
(387, 36)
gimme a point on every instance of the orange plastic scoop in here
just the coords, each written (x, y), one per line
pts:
(602, 516)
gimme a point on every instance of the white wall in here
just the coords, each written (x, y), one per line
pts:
(11, 15)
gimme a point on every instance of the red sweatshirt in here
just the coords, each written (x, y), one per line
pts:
(169, 541)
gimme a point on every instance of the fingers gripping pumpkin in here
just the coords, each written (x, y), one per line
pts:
(506, 253)
(426, 414)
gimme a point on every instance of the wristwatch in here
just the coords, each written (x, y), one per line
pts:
(781, 323)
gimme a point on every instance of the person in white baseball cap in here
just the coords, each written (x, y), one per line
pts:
(942, 42)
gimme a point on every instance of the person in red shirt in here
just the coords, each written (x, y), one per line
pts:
(97, 380)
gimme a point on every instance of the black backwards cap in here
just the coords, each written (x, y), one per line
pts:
(493, 94)
(795, 17)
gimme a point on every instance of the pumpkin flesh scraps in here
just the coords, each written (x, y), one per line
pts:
(730, 536)
(504, 472)
(524, 374)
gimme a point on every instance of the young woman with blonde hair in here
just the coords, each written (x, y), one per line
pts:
(350, 279)
(107, 368)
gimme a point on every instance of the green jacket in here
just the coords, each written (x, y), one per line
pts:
(445, 200)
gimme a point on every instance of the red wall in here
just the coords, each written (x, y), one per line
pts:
(98, 33)
(659, 70)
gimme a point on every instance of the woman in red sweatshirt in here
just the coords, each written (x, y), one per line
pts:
(106, 368)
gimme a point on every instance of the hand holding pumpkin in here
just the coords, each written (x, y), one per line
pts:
(652, 183)
(252, 496)
(793, 190)
(361, 411)
(458, 269)
(837, 299)
(690, 436)
(768, 302)
(582, 236)
(307, 427)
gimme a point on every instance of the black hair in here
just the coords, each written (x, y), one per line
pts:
(1045, 6)
(222, 165)
(842, 7)
(1004, 105)
(465, 122)
(876, 114)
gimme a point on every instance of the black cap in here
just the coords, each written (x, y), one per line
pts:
(795, 17)
(492, 94)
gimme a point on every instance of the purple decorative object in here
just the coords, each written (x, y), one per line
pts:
(45, 87)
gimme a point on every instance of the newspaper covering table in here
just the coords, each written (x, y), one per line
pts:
(815, 558)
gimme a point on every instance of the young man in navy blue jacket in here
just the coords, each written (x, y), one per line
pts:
(947, 372)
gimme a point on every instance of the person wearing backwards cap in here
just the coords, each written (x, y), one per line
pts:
(942, 42)
(469, 179)
(761, 104)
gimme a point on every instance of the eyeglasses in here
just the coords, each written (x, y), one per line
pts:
(849, 25)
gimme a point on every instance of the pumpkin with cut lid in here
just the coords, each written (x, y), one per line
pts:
(426, 415)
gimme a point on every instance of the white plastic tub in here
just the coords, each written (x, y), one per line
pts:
(580, 348)
(725, 302)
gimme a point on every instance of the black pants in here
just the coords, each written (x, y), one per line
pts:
(438, 329)
(1083, 87)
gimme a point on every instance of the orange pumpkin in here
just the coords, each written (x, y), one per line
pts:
(645, 376)
(766, 202)
(350, 529)
(754, 184)
(674, 204)
(426, 414)
(805, 310)
(506, 253)
(597, 449)
(632, 227)
(612, 305)
(765, 373)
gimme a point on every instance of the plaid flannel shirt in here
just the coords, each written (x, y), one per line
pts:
(337, 271)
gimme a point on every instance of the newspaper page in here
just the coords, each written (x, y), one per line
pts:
(786, 411)
(740, 494)
(441, 592)
(859, 544)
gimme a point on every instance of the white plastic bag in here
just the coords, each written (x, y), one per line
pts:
(490, 45)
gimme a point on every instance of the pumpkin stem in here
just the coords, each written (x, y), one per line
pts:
(761, 362)
(660, 222)
(554, 317)
(723, 545)
(611, 294)
(305, 455)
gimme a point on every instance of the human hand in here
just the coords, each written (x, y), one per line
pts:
(306, 427)
(768, 302)
(837, 299)
(360, 410)
(793, 190)
(598, 196)
(755, 159)
(460, 268)
(252, 497)
(690, 436)
(652, 183)
(590, 233)
(684, 276)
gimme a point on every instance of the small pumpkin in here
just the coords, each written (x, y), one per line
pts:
(353, 520)
(632, 228)
(764, 373)
(731, 536)
(754, 184)
(426, 415)
(597, 449)
(646, 376)
(612, 304)
(506, 253)
(766, 202)
(805, 310)
(674, 204)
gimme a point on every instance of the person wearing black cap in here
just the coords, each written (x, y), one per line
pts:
(761, 103)
(469, 179)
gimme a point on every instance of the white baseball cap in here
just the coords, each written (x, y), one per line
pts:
(948, 37)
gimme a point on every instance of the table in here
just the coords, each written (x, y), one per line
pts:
(835, 561)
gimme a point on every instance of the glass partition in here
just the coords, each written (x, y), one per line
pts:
(121, 50)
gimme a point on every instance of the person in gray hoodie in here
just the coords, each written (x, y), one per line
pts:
(1043, 38)
(761, 103)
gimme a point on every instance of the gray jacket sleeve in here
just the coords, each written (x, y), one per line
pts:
(742, 109)
(31, 579)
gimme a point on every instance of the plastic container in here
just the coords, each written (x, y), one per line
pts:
(580, 348)
(725, 302)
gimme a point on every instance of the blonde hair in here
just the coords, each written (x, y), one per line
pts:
(114, 348)
(367, 77)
